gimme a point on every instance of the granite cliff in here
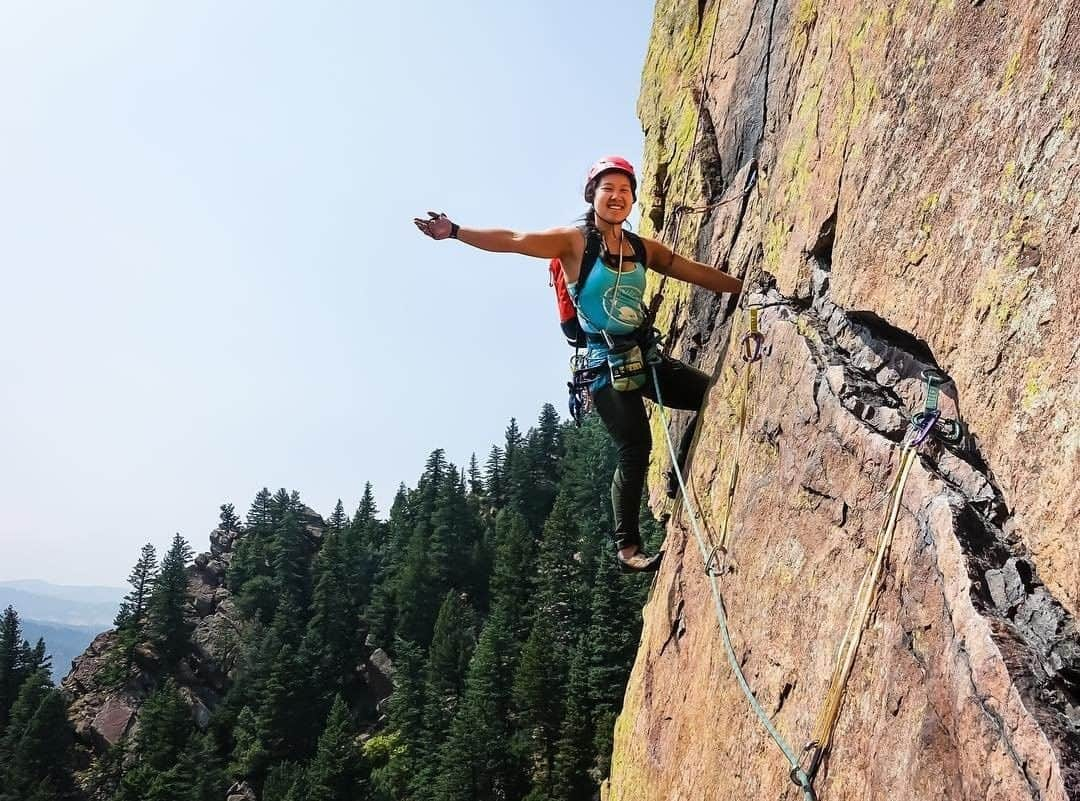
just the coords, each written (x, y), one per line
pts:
(910, 172)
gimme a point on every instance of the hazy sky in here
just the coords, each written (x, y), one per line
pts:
(210, 278)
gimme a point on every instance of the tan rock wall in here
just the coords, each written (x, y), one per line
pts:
(943, 135)
(913, 207)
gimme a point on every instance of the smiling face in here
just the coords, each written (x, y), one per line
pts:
(613, 199)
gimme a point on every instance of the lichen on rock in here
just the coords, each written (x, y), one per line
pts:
(912, 210)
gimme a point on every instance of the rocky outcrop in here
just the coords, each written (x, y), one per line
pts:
(911, 207)
(103, 715)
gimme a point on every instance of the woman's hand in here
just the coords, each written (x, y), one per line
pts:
(556, 243)
(438, 227)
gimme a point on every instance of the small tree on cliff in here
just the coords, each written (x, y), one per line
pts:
(168, 602)
(132, 619)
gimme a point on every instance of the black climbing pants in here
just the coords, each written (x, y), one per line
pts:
(623, 413)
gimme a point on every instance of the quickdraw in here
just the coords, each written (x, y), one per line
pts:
(929, 420)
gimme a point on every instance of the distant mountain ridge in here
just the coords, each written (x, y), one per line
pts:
(56, 603)
(68, 592)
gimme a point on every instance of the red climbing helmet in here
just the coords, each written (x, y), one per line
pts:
(609, 164)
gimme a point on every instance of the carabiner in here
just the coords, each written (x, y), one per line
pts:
(922, 423)
(752, 342)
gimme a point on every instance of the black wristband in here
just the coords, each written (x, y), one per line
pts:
(454, 228)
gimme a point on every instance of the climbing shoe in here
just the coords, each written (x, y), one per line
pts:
(639, 562)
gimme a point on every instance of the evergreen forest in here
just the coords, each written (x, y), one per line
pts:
(492, 589)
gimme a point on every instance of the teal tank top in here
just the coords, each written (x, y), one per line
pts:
(610, 301)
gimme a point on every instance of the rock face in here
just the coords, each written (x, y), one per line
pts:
(911, 207)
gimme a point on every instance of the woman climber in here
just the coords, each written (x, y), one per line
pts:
(614, 321)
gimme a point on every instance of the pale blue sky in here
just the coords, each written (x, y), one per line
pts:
(210, 278)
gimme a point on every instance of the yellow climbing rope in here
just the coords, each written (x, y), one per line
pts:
(860, 614)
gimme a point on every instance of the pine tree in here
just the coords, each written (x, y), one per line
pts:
(260, 517)
(511, 580)
(538, 703)
(544, 450)
(414, 589)
(448, 660)
(12, 670)
(573, 754)
(229, 521)
(455, 533)
(364, 549)
(493, 478)
(132, 618)
(288, 712)
(476, 763)
(282, 779)
(101, 781)
(291, 556)
(586, 468)
(201, 766)
(330, 642)
(251, 578)
(249, 755)
(366, 512)
(165, 724)
(333, 772)
(281, 503)
(475, 482)
(132, 612)
(169, 627)
(514, 439)
(38, 658)
(399, 530)
(406, 720)
(427, 490)
(562, 592)
(338, 520)
(613, 635)
(37, 748)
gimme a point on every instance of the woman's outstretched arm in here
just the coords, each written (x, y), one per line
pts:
(665, 261)
(551, 244)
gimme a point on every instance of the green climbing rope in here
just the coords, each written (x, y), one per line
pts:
(797, 774)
